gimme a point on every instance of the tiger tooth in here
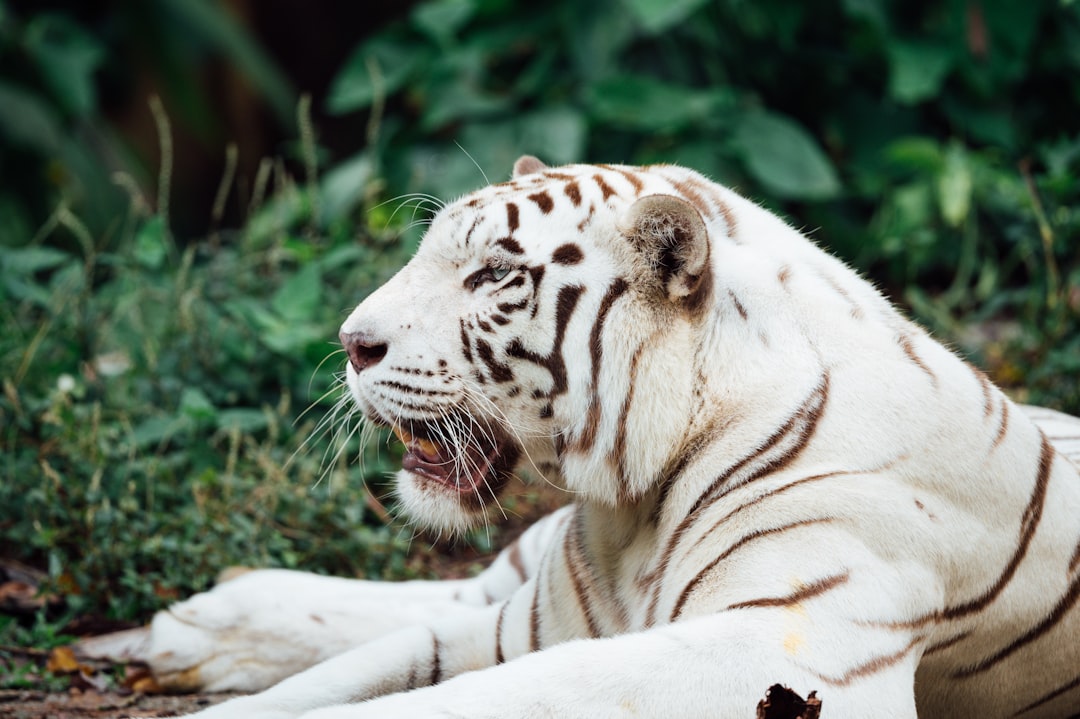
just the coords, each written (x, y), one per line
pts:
(403, 435)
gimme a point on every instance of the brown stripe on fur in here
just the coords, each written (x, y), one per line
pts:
(909, 351)
(543, 201)
(1028, 524)
(738, 305)
(605, 188)
(534, 617)
(770, 495)
(465, 342)
(631, 177)
(499, 657)
(498, 371)
(514, 556)
(512, 218)
(873, 666)
(1051, 620)
(554, 362)
(812, 415)
(807, 415)
(713, 193)
(410, 683)
(1075, 559)
(510, 245)
(784, 275)
(567, 254)
(510, 307)
(409, 389)
(856, 311)
(1050, 696)
(690, 193)
(1003, 425)
(436, 661)
(571, 557)
(619, 449)
(472, 228)
(588, 218)
(987, 389)
(808, 591)
(572, 191)
(585, 440)
(684, 595)
(953, 641)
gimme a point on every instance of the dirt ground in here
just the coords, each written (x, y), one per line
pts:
(77, 704)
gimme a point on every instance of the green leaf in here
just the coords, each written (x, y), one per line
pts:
(916, 153)
(195, 404)
(784, 157)
(30, 260)
(158, 429)
(67, 57)
(241, 419)
(645, 103)
(300, 296)
(873, 11)
(150, 248)
(658, 15)
(917, 71)
(442, 19)
(377, 68)
(556, 134)
(955, 186)
(342, 188)
(28, 122)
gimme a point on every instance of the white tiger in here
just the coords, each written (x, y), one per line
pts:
(777, 479)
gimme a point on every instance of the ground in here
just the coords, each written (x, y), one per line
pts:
(55, 684)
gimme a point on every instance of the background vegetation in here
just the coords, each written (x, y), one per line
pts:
(167, 326)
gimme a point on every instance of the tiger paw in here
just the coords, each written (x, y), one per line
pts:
(253, 631)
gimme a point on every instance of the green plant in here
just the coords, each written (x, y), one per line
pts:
(151, 414)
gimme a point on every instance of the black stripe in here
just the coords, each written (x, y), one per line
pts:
(499, 657)
(579, 585)
(436, 660)
(1063, 607)
(809, 591)
(553, 361)
(498, 371)
(684, 595)
(803, 422)
(1051, 696)
(1028, 524)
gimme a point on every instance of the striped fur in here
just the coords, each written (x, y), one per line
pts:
(777, 477)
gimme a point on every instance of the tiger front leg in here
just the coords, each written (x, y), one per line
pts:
(398, 662)
(718, 667)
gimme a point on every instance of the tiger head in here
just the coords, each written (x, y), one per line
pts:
(552, 323)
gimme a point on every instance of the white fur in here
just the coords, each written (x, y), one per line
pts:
(866, 533)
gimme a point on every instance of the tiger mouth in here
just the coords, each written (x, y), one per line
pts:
(480, 462)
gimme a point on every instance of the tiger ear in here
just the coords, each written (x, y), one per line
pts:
(527, 165)
(671, 235)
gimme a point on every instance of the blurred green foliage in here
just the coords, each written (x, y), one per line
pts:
(151, 419)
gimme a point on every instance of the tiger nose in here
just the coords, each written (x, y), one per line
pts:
(364, 350)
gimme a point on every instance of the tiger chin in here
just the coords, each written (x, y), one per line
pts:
(776, 479)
